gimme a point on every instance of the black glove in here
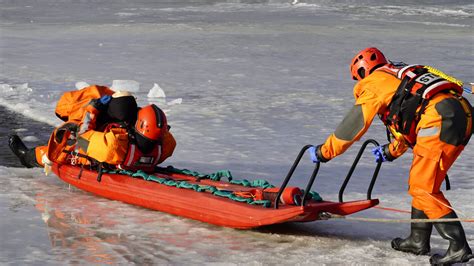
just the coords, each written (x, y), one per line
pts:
(67, 127)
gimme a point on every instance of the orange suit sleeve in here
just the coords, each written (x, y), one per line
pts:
(373, 95)
(354, 125)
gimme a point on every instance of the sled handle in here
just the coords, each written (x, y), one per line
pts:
(290, 174)
(351, 170)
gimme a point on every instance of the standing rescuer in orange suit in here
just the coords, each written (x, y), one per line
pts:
(423, 109)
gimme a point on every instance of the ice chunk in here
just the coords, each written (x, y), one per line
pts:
(175, 101)
(125, 85)
(156, 92)
(81, 85)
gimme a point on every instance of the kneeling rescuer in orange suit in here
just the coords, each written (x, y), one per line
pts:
(423, 109)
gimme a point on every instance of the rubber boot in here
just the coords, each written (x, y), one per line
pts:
(418, 242)
(459, 250)
(27, 156)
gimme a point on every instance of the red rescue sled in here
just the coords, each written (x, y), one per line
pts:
(207, 207)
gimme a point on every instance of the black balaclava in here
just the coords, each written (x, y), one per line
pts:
(123, 109)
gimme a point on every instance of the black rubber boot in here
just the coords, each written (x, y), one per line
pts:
(418, 242)
(459, 250)
(27, 156)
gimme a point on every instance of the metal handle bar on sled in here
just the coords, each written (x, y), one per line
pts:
(356, 161)
(290, 174)
(316, 169)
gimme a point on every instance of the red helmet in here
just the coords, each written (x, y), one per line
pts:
(151, 124)
(367, 61)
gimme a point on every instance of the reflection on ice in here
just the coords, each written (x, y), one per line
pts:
(85, 229)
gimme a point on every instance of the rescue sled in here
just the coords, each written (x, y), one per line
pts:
(155, 192)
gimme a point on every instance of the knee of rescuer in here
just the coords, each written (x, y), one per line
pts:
(454, 121)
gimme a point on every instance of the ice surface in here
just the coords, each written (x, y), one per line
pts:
(255, 82)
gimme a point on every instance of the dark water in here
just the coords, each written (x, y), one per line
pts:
(14, 123)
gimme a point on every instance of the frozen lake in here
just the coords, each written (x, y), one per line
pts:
(248, 83)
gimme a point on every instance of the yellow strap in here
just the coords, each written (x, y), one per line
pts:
(444, 75)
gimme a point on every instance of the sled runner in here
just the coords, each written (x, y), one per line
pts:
(237, 204)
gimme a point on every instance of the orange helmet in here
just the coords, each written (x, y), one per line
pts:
(150, 126)
(367, 61)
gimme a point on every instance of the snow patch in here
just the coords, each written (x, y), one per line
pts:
(30, 139)
(6, 88)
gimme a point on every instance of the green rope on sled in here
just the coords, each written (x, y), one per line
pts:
(216, 176)
(155, 179)
(138, 173)
(255, 183)
(313, 195)
(198, 188)
(232, 196)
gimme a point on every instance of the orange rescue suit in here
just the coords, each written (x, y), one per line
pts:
(111, 146)
(73, 106)
(433, 152)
